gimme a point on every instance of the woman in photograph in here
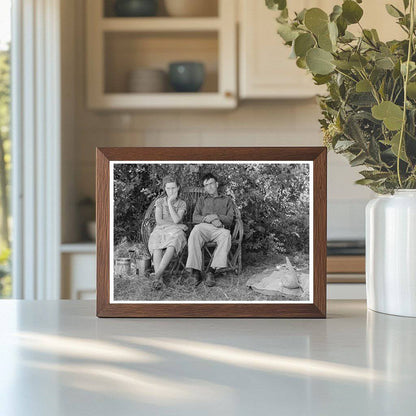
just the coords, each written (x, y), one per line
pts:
(168, 237)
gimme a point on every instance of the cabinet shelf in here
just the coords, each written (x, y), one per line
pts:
(159, 24)
(118, 46)
(197, 100)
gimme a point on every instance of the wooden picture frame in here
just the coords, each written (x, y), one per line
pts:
(317, 159)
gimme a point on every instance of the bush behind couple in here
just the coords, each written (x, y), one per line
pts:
(213, 216)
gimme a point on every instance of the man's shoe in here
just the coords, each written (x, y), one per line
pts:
(195, 277)
(210, 279)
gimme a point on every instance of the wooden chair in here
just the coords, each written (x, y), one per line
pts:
(191, 196)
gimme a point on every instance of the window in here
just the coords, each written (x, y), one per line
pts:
(5, 145)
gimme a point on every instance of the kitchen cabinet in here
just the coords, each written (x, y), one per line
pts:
(78, 263)
(265, 70)
(118, 45)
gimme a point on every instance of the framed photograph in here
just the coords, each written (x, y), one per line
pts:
(211, 232)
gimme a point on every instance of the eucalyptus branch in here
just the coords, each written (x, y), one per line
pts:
(397, 95)
(392, 90)
(370, 64)
(373, 89)
(369, 41)
(406, 79)
(346, 75)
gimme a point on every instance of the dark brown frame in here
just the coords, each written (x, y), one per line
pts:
(317, 309)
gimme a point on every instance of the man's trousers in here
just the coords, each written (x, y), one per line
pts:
(203, 233)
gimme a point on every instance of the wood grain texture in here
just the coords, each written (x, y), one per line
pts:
(317, 309)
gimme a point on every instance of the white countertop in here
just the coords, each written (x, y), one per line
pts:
(57, 358)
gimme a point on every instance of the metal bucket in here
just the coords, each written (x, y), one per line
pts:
(142, 266)
(122, 267)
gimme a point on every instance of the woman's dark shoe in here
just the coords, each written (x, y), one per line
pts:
(157, 284)
(210, 279)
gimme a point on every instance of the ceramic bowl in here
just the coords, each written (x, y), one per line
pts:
(186, 76)
(135, 8)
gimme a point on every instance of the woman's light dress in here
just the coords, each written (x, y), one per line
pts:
(168, 234)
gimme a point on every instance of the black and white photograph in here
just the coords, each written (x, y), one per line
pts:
(211, 232)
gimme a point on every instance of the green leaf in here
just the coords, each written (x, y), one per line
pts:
(284, 13)
(358, 160)
(319, 61)
(375, 35)
(393, 11)
(361, 99)
(394, 145)
(390, 113)
(324, 42)
(316, 20)
(327, 40)
(342, 25)
(374, 150)
(368, 36)
(381, 89)
(321, 79)
(336, 12)
(406, 4)
(358, 61)
(276, 4)
(351, 11)
(333, 32)
(341, 64)
(364, 181)
(347, 37)
(353, 130)
(396, 70)
(343, 145)
(286, 32)
(374, 175)
(303, 43)
(282, 18)
(412, 67)
(301, 16)
(411, 90)
(363, 86)
(385, 63)
(377, 74)
(301, 63)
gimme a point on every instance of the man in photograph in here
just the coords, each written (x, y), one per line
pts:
(213, 215)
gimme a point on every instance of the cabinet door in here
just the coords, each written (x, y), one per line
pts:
(265, 68)
(376, 17)
(78, 276)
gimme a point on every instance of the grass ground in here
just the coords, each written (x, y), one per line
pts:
(229, 287)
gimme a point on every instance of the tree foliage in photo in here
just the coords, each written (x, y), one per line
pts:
(273, 200)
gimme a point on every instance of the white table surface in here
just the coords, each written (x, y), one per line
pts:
(57, 358)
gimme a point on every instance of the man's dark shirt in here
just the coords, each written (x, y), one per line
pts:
(221, 205)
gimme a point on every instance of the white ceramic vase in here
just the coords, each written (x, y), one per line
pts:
(391, 253)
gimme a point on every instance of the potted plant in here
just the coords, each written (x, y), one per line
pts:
(368, 115)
